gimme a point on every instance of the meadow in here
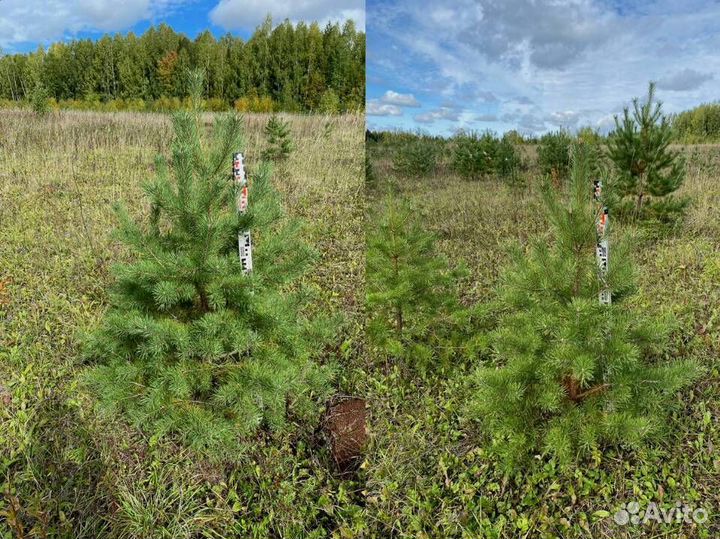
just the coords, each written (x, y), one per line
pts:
(64, 471)
(429, 476)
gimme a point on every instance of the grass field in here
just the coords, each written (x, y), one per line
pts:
(63, 472)
(429, 477)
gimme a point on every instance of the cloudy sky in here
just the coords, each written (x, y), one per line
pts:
(535, 65)
(25, 24)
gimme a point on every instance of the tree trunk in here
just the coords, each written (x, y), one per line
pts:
(572, 387)
(398, 320)
(638, 206)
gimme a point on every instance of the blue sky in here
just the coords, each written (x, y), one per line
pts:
(534, 65)
(25, 24)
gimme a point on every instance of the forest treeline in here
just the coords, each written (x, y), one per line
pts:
(292, 68)
(700, 124)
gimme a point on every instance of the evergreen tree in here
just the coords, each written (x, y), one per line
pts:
(507, 159)
(417, 156)
(190, 344)
(279, 143)
(647, 170)
(474, 155)
(412, 292)
(570, 375)
(554, 155)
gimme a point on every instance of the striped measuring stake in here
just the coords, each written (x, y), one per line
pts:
(602, 250)
(241, 202)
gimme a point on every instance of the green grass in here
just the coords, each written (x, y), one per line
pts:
(427, 473)
(64, 472)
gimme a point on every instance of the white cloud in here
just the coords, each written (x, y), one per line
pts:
(50, 20)
(247, 14)
(565, 118)
(550, 63)
(442, 113)
(376, 108)
(401, 100)
(684, 80)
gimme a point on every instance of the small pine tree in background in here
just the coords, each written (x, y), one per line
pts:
(279, 143)
(507, 159)
(554, 155)
(570, 375)
(474, 155)
(191, 345)
(647, 170)
(412, 293)
(416, 156)
(39, 99)
(478, 155)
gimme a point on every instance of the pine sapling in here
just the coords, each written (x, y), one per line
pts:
(474, 155)
(417, 155)
(568, 374)
(554, 155)
(191, 345)
(279, 142)
(412, 293)
(647, 170)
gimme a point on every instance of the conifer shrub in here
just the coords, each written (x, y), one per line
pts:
(507, 158)
(588, 135)
(478, 155)
(415, 316)
(279, 143)
(554, 155)
(416, 156)
(190, 345)
(647, 170)
(474, 155)
(569, 375)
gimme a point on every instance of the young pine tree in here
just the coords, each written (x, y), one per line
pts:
(412, 293)
(570, 375)
(475, 155)
(279, 143)
(647, 170)
(191, 345)
(416, 156)
(554, 155)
